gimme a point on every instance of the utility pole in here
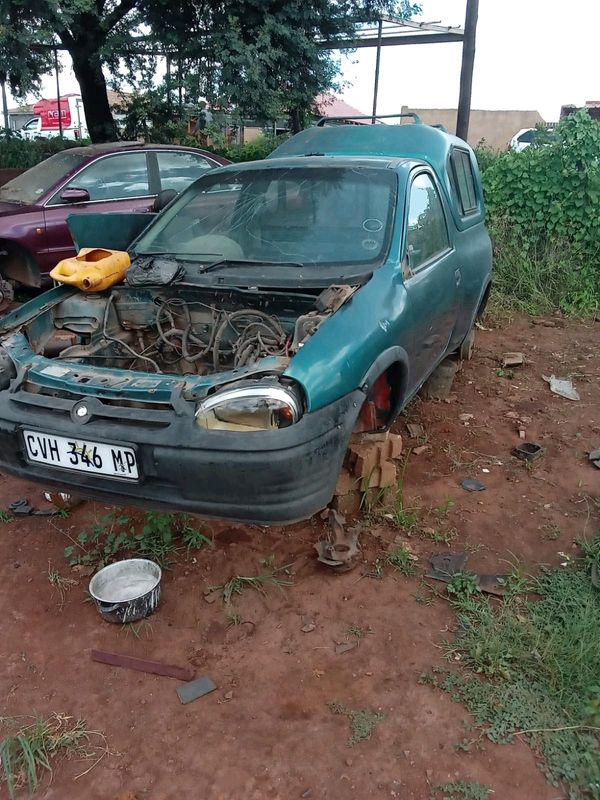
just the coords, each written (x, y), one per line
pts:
(4, 103)
(466, 72)
(60, 125)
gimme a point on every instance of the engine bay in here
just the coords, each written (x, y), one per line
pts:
(180, 330)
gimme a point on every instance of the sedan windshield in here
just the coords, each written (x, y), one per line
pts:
(304, 216)
(32, 184)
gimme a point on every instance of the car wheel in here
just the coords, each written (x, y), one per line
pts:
(465, 351)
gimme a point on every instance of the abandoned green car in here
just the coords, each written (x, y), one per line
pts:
(263, 309)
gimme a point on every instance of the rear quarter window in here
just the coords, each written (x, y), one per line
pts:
(464, 181)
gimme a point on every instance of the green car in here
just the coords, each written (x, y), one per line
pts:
(263, 308)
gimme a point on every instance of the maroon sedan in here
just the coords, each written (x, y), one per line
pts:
(125, 176)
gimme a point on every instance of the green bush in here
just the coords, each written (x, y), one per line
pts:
(18, 153)
(544, 217)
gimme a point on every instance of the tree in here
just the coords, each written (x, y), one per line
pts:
(21, 64)
(263, 57)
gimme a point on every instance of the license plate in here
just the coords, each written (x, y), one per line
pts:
(81, 455)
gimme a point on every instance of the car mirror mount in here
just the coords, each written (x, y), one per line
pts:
(75, 195)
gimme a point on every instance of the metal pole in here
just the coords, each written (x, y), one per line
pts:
(5, 104)
(466, 72)
(377, 63)
(60, 125)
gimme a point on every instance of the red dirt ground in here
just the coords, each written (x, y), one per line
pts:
(267, 732)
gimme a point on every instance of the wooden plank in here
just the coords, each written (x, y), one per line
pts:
(142, 665)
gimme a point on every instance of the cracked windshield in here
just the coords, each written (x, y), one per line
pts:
(299, 216)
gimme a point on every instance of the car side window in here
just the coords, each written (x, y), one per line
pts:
(464, 180)
(178, 169)
(115, 177)
(427, 234)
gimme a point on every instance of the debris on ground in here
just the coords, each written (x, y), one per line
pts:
(562, 387)
(528, 451)
(473, 485)
(196, 689)
(422, 448)
(594, 457)
(142, 665)
(512, 359)
(345, 647)
(308, 624)
(341, 549)
(444, 566)
(22, 508)
(415, 430)
(63, 501)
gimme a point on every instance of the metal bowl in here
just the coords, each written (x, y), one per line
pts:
(127, 591)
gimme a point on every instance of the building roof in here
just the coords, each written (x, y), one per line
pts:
(328, 105)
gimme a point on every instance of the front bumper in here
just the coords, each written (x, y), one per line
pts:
(267, 477)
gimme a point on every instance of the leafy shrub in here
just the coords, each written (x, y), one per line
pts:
(544, 217)
(19, 153)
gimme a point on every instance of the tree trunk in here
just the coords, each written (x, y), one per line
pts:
(99, 118)
(295, 115)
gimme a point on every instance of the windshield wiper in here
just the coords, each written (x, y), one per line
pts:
(240, 262)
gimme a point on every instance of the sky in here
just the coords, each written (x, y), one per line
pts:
(530, 54)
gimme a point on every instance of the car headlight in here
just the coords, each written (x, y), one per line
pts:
(250, 408)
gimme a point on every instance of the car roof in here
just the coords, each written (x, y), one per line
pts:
(415, 141)
(115, 147)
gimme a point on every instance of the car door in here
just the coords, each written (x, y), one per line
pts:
(115, 182)
(431, 275)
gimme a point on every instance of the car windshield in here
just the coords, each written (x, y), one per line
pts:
(307, 216)
(32, 184)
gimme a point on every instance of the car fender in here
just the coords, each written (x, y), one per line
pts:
(18, 264)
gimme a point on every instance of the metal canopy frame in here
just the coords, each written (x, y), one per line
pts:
(390, 31)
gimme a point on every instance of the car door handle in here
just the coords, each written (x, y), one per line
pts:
(457, 276)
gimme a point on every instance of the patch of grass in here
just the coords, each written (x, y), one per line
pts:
(138, 630)
(443, 509)
(439, 536)
(5, 516)
(238, 583)
(29, 751)
(114, 535)
(356, 631)
(362, 721)
(401, 559)
(540, 660)
(460, 791)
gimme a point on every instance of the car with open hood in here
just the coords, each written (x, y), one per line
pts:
(270, 309)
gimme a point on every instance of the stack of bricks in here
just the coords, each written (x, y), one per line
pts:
(370, 466)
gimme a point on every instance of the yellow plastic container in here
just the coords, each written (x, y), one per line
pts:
(93, 269)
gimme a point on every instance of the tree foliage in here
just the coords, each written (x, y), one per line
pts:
(21, 64)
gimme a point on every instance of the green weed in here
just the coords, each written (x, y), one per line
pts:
(362, 722)
(402, 560)
(358, 632)
(60, 583)
(5, 516)
(443, 509)
(114, 535)
(463, 585)
(238, 583)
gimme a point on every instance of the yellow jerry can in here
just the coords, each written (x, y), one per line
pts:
(93, 269)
